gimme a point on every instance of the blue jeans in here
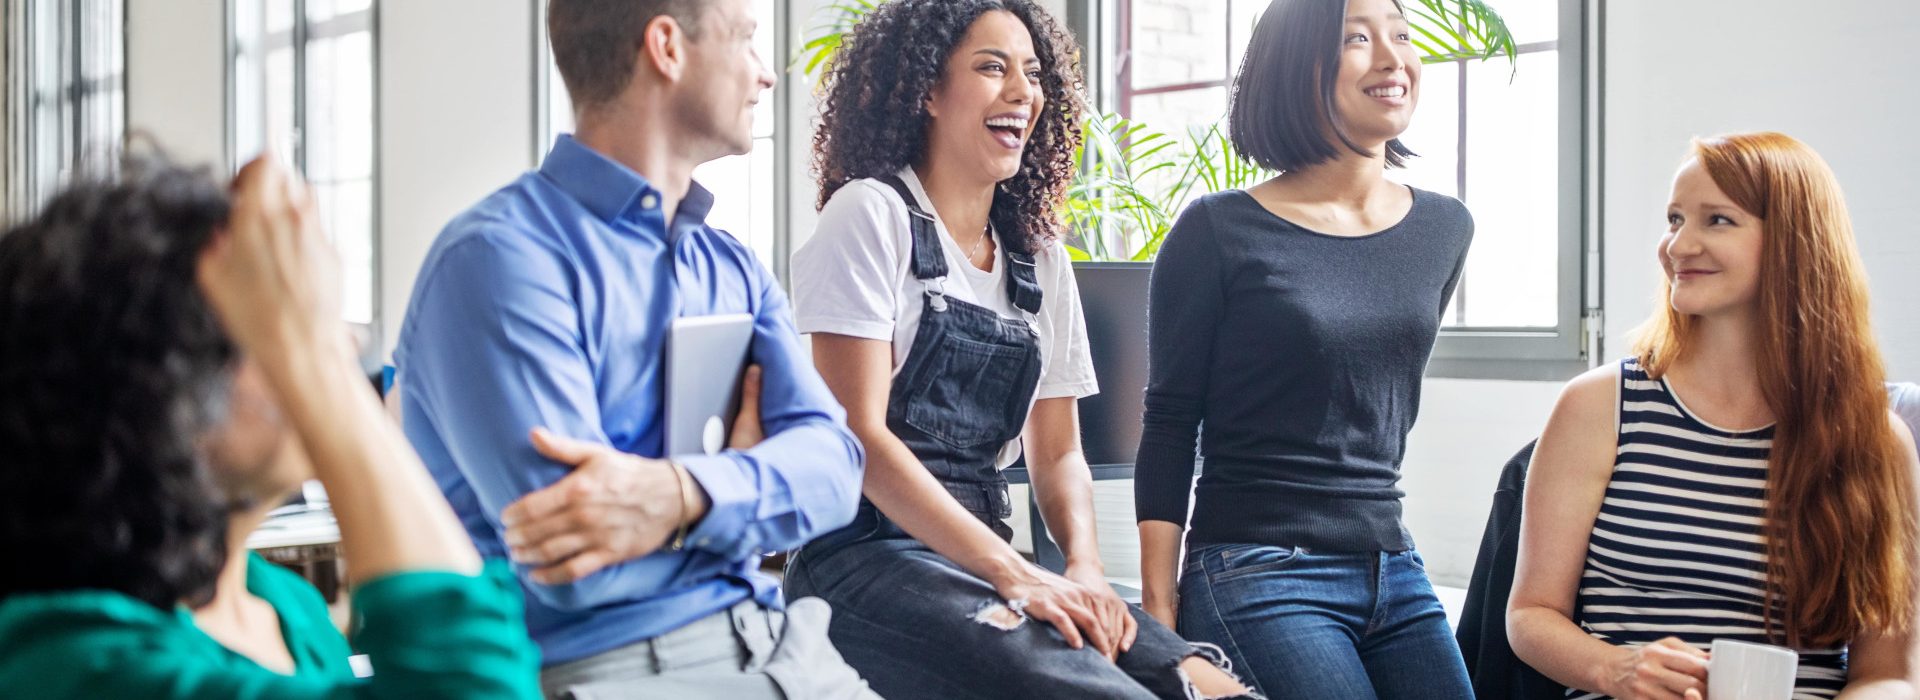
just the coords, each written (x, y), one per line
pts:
(1301, 624)
(908, 620)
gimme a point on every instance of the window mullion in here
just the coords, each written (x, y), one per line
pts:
(300, 86)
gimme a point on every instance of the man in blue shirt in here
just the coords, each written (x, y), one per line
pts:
(546, 305)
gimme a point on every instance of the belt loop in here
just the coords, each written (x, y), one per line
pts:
(653, 655)
(759, 646)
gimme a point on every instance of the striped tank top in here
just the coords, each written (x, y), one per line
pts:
(1677, 549)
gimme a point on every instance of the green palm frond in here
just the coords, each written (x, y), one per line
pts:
(832, 22)
(1458, 30)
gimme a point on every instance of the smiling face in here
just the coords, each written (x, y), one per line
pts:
(988, 100)
(725, 79)
(1711, 253)
(1377, 83)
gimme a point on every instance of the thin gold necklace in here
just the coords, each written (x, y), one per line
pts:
(977, 242)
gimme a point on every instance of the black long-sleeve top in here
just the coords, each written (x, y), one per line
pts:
(1301, 354)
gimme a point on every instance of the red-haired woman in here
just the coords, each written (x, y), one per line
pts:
(1739, 476)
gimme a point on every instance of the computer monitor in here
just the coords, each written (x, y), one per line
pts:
(1114, 298)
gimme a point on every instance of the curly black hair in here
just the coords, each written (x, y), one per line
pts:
(873, 121)
(112, 369)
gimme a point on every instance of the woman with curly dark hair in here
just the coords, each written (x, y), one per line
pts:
(172, 368)
(945, 318)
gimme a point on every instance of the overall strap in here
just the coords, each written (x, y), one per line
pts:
(929, 259)
(1023, 285)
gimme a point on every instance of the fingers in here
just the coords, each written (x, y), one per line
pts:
(540, 504)
(750, 390)
(1673, 654)
(576, 568)
(1129, 628)
(1113, 616)
(1674, 667)
(1054, 614)
(560, 449)
(1092, 625)
(552, 550)
(747, 430)
(1676, 683)
(246, 183)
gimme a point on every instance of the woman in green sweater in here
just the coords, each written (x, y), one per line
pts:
(171, 367)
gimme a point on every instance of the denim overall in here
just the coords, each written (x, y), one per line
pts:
(968, 381)
(906, 617)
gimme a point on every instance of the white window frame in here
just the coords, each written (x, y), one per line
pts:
(304, 31)
(85, 56)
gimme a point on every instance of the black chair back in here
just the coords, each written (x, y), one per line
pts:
(1491, 664)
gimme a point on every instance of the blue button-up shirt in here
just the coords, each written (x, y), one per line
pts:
(547, 304)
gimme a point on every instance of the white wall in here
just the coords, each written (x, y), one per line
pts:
(177, 75)
(1680, 69)
(456, 122)
(455, 102)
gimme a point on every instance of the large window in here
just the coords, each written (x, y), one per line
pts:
(303, 85)
(747, 189)
(1507, 138)
(65, 94)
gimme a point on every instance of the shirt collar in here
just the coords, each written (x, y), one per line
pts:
(613, 191)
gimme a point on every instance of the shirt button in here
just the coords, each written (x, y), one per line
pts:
(649, 202)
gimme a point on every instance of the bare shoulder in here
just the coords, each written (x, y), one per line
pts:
(1901, 432)
(1582, 434)
(1594, 395)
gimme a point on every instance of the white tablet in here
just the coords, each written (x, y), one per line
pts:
(706, 359)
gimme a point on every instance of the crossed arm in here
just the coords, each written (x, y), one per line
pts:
(506, 353)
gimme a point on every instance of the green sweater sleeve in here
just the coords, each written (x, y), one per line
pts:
(427, 635)
(444, 635)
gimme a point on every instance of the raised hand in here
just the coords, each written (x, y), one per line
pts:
(270, 275)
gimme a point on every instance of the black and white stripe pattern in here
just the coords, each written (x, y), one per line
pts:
(1677, 549)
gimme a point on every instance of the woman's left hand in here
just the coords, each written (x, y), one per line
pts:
(1112, 610)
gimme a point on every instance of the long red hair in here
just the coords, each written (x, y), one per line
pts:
(1841, 526)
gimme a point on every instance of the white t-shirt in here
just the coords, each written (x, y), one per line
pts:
(1906, 403)
(853, 278)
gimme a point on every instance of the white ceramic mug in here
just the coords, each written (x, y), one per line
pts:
(1748, 671)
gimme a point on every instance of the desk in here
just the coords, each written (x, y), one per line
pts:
(306, 541)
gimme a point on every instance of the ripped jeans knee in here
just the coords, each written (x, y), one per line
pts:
(1000, 615)
(1218, 689)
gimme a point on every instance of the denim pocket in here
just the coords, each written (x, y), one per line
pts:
(968, 396)
(1242, 560)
